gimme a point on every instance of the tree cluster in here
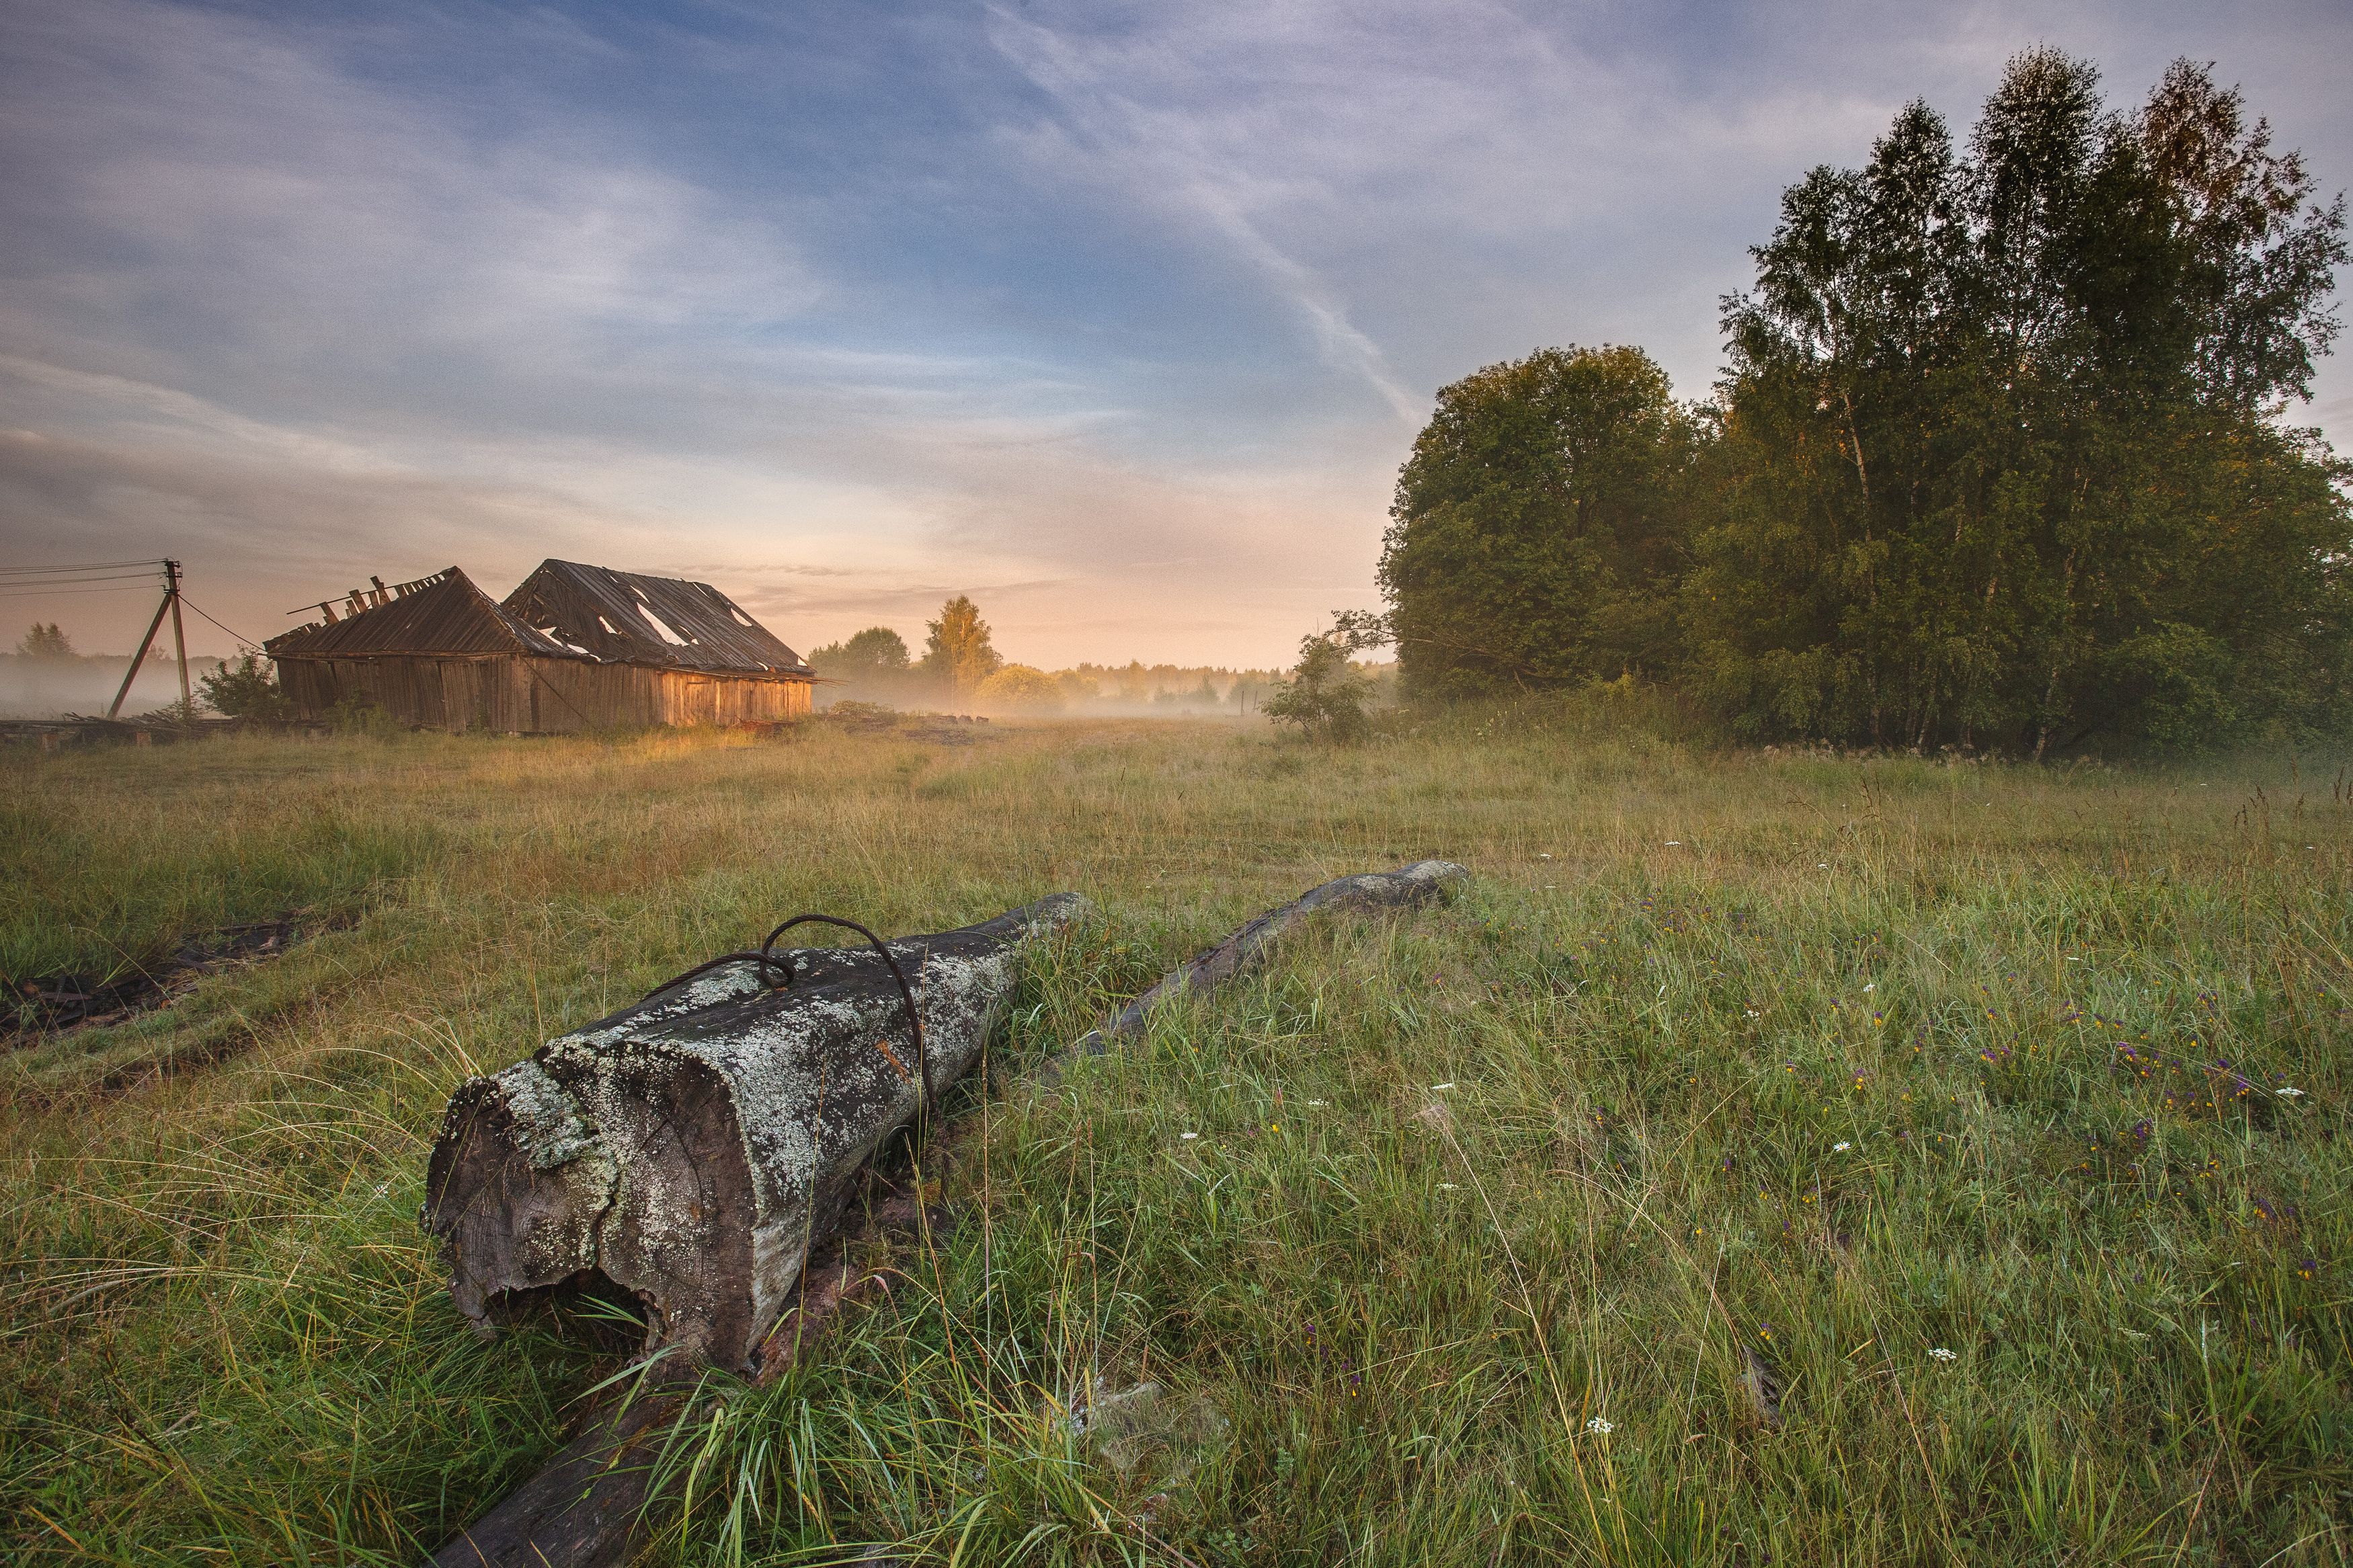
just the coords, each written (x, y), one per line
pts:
(958, 657)
(46, 642)
(1999, 459)
(876, 656)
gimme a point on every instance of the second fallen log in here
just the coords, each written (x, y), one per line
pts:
(692, 1147)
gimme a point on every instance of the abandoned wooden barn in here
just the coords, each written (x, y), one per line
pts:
(574, 648)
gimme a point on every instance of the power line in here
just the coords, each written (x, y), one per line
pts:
(46, 585)
(242, 640)
(79, 566)
(30, 590)
(41, 591)
(46, 592)
(129, 570)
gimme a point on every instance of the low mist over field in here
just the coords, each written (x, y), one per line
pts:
(42, 688)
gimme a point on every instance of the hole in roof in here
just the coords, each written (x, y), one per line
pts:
(608, 626)
(662, 627)
(741, 618)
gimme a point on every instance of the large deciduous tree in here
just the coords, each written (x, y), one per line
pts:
(2001, 457)
(957, 653)
(876, 656)
(1538, 528)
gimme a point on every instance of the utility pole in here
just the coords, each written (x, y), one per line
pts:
(179, 639)
(179, 642)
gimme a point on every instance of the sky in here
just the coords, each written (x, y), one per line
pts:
(1119, 318)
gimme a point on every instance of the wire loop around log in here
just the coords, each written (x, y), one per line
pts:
(768, 958)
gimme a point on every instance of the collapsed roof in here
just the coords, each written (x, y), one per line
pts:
(562, 610)
(444, 613)
(621, 617)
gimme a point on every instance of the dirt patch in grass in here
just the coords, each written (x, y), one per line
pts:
(49, 1005)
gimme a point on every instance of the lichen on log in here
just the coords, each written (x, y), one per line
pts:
(691, 1148)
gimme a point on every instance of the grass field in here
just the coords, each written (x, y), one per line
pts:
(1769, 1160)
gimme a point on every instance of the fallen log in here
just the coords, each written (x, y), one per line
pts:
(1212, 967)
(693, 1147)
(595, 1502)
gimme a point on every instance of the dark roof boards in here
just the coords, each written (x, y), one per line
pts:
(620, 617)
(441, 613)
(562, 610)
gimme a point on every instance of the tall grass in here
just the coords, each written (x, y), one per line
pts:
(1615, 1294)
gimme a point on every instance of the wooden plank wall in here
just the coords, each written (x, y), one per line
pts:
(537, 695)
(574, 695)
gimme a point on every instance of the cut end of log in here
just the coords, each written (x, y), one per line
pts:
(518, 1186)
(677, 1235)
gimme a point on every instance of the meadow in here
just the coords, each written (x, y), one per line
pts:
(1789, 1159)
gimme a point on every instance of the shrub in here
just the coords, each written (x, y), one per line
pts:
(1325, 696)
(246, 690)
(359, 714)
(1020, 689)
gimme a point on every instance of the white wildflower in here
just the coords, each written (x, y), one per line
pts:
(1873, 986)
(1438, 1086)
(1318, 1103)
(2285, 1093)
(1840, 1147)
(1601, 1428)
(1941, 1353)
(1674, 843)
(1189, 1137)
(1448, 1187)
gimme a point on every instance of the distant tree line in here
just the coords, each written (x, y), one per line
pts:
(2000, 457)
(961, 664)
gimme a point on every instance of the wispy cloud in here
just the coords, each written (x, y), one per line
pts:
(1161, 156)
